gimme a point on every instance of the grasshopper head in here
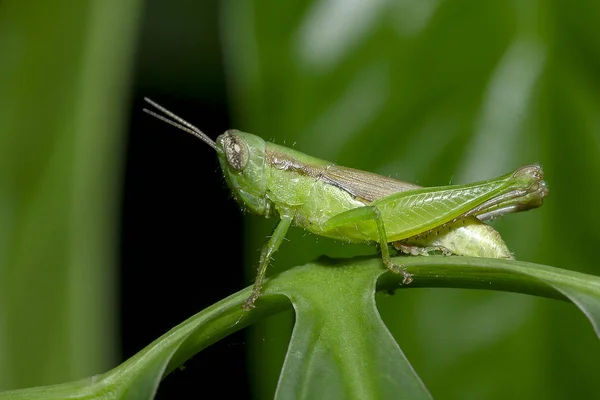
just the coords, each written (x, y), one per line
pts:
(242, 159)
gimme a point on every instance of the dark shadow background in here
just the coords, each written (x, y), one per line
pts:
(173, 189)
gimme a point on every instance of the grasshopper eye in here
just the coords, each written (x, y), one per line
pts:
(236, 150)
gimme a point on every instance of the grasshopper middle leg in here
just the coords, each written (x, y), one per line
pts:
(365, 213)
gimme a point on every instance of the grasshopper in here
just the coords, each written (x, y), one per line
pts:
(359, 206)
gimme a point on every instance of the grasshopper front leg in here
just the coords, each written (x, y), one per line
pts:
(265, 256)
(367, 213)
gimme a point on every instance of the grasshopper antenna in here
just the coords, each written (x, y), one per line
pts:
(180, 123)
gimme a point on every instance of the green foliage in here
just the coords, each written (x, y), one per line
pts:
(61, 113)
(340, 347)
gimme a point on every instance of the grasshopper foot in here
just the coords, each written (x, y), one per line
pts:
(445, 251)
(397, 269)
(249, 303)
(408, 278)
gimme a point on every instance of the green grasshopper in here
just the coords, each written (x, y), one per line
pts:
(358, 206)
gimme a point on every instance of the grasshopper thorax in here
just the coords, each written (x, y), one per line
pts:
(242, 160)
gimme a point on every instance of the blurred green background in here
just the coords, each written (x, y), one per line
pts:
(106, 214)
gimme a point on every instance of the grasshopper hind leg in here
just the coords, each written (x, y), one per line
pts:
(414, 250)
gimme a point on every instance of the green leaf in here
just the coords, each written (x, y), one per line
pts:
(514, 276)
(340, 348)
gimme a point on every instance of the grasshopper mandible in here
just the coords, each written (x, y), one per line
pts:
(358, 206)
